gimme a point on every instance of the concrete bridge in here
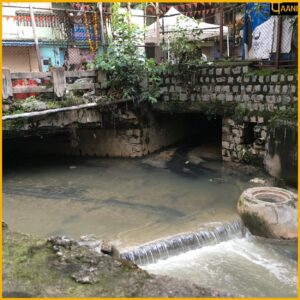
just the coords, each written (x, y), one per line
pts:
(244, 105)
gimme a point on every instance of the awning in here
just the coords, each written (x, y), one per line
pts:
(174, 21)
(17, 43)
(30, 43)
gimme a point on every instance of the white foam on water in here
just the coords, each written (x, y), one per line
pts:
(240, 266)
(261, 256)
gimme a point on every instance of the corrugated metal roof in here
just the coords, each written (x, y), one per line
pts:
(28, 43)
(17, 43)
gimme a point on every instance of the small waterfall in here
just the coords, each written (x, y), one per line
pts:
(174, 245)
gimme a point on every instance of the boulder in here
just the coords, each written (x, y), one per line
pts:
(202, 153)
(161, 159)
(269, 212)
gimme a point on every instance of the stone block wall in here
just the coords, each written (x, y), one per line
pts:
(91, 132)
(234, 92)
(244, 141)
(238, 85)
(158, 132)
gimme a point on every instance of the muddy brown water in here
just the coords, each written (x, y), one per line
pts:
(132, 203)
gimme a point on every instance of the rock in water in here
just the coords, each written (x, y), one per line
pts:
(86, 274)
(270, 212)
(62, 241)
(106, 247)
(161, 159)
(4, 225)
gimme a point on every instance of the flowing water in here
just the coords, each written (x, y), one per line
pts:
(242, 266)
(172, 246)
(134, 204)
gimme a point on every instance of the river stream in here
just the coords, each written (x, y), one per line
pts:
(132, 203)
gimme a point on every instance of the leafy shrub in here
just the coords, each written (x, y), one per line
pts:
(125, 62)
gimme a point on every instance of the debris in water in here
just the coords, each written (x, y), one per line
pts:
(257, 180)
(72, 167)
(217, 180)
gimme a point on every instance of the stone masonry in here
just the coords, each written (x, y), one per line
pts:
(259, 93)
(245, 99)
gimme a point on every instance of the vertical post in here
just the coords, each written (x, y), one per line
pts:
(129, 13)
(145, 20)
(233, 31)
(278, 45)
(36, 40)
(157, 47)
(7, 90)
(102, 26)
(221, 28)
(163, 32)
(102, 79)
(59, 81)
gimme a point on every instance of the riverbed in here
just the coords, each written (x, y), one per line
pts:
(131, 203)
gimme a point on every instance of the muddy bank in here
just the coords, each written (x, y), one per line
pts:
(33, 267)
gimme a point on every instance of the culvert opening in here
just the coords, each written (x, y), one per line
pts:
(130, 138)
(192, 130)
(249, 135)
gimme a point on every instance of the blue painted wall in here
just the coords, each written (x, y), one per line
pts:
(55, 55)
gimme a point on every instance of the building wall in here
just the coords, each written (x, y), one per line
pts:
(19, 59)
(10, 30)
(52, 53)
(24, 59)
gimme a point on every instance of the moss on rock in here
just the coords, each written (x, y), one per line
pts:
(32, 268)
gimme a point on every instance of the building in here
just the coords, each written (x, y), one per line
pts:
(63, 38)
(19, 53)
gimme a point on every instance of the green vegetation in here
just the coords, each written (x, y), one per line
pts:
(251, 159)
(33, 269)
(16, 124)
(240, 111)
(186, 48)
(53, 104)
(289, 114)
(269, 72)
(230, 109)
(125, 63)
(31, 104)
